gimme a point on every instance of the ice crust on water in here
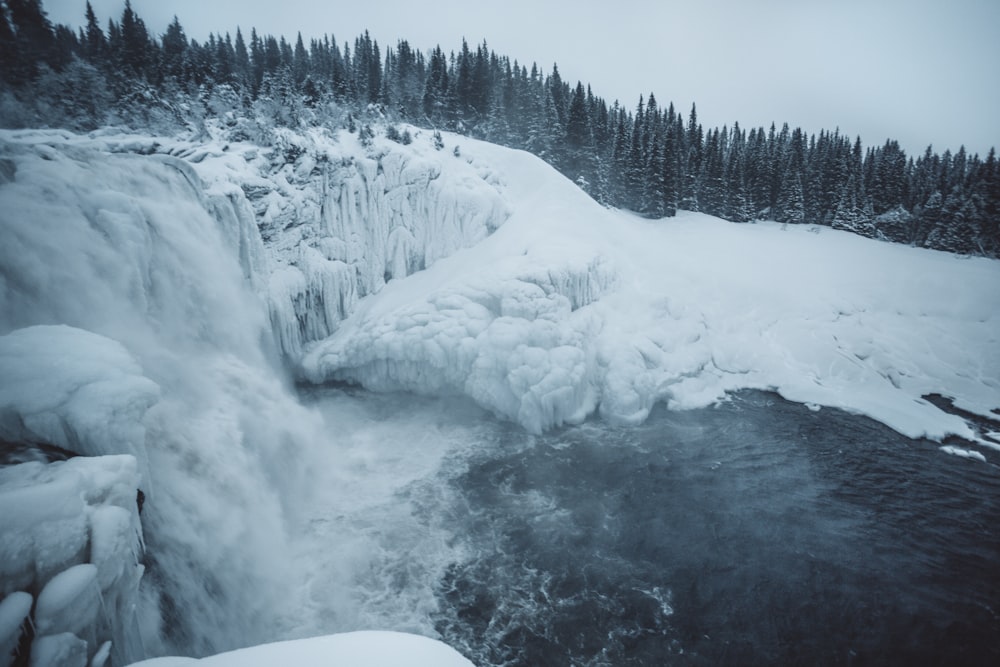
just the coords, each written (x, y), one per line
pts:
(963, 453)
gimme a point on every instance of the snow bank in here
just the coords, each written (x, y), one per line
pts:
(570, 308)
(358, 649)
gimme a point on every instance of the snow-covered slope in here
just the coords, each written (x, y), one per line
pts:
(570, 307)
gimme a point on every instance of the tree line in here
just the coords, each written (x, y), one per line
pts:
(650, 159)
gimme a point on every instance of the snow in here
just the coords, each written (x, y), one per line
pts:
(358, 649)
(964, 453)
(52, 517)
(570, 308)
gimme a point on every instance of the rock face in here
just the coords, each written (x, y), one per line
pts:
(70, 539)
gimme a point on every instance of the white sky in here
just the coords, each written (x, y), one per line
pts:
(919, 71)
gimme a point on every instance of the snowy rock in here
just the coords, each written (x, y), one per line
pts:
(343, 226)
(46, 522)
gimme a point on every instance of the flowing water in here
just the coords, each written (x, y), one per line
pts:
(754, 532)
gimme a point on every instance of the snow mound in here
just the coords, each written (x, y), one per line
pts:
(74, 389)
(570, 308)
(358, 649)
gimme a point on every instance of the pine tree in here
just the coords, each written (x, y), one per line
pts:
(241, 61)
(174, 45)
(690, 185)
(577, 161)
(436, 88)
(300, 62)
(134, 44)
(635, 170)
(95, 43)
(34, 40)
(8, 48)
(790, 206)
(851, 214)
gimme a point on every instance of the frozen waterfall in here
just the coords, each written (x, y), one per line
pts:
(159, 297)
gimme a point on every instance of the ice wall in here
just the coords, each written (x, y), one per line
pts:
(341, 220)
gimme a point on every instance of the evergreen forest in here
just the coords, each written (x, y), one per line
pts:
(650, 158)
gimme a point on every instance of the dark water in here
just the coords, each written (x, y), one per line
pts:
(753, 533)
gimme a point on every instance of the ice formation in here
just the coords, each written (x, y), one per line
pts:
(570, 308)
(70, 539)
(74, 389)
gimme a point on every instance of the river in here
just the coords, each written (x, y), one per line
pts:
(755, 532)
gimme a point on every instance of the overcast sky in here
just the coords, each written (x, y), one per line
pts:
(919, 71)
